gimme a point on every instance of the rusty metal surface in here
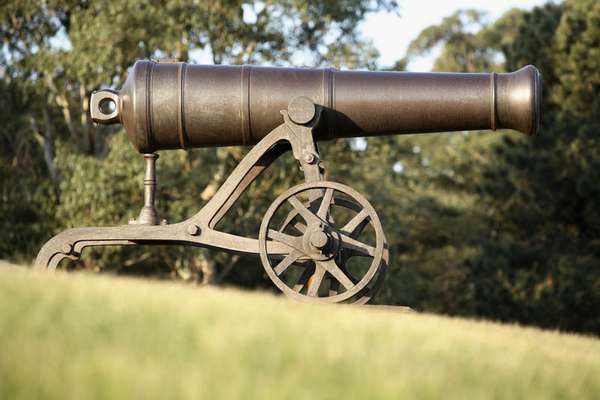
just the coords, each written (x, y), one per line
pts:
(169, 105)
(309, 249)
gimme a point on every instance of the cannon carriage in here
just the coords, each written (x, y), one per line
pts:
(318, 241)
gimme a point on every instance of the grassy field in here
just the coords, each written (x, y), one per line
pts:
(83, 337)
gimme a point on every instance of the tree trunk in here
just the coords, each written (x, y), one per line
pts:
(182, 48)
(63, 102)
(88, 129)
(46, 139)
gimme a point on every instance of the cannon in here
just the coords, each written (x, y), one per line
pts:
(319, 241)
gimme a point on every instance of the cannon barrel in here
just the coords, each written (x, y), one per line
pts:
(172, 105)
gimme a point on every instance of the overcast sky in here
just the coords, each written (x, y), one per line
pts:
(391, 33)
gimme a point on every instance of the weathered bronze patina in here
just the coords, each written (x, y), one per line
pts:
(314, 236)
(177, 105)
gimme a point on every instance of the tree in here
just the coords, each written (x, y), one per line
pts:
(57, 52)
(533, 256)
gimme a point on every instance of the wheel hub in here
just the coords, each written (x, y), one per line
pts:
(320, 242)
(319, 239)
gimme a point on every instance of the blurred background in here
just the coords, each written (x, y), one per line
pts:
(480, 224)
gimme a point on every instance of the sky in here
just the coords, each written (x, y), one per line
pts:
(392, 33)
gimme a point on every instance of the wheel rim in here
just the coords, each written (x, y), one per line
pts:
(332, 260)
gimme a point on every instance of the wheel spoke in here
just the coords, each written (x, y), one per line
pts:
(334, 286)
(300, 227)
(357, 247)
(301, 208)
(290, 217)
(331, 267)
(314, 283)
(345, 270)
(292, 241)
(303, 279)
(325, 204)
(355, 226)
(286, 262)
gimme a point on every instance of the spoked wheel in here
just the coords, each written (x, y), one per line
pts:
(337, 248)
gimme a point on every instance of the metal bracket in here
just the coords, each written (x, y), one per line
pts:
(149, 214)
(295, 133)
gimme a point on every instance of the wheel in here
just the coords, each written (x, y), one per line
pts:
(337, 248)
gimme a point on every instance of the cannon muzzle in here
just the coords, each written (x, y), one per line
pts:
(173, 105)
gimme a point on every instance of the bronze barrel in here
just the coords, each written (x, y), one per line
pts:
(173, 105)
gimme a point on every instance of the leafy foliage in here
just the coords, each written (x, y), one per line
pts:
(487, 225)
(529, 252)
(57, 52)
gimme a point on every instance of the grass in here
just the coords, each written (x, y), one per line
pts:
(83, 337)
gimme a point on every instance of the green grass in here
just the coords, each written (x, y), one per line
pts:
(82, 337)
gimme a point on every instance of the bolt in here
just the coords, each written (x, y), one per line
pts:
(319, 239)
(309, 158)
(301, 110)
(66, 248)
(193, 230)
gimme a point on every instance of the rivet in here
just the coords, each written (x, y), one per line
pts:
(193, 230)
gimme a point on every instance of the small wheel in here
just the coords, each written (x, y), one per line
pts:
(337, 248)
